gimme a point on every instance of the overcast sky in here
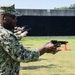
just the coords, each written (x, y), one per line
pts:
(38, 4)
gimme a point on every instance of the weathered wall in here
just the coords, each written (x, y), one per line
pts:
(68, 12)
(47, 12)
(34, 12)
(48, 22)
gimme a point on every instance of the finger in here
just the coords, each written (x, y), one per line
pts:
(57, 45)
(57, 50)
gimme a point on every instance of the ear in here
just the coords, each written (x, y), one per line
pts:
(4, 19)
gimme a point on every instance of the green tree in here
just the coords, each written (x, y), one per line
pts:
(72, 6)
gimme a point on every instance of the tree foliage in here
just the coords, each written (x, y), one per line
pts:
(72, 6)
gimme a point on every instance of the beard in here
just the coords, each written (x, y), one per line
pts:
(9, 25)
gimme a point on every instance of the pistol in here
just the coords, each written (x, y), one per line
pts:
(58, 42)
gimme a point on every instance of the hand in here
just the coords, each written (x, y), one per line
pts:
(19, 28)
(24, 33)
(52, 48)
(19, 32)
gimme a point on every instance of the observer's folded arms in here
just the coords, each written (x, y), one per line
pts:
(58, 42)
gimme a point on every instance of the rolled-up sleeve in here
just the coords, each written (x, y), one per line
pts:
(17, 51)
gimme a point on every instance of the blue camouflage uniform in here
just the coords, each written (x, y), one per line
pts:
(12, 53)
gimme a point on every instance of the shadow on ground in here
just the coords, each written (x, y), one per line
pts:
(37, 67)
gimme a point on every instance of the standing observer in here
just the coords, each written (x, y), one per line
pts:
(11, 51)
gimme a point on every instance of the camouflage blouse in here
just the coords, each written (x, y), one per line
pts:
(12, 53)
